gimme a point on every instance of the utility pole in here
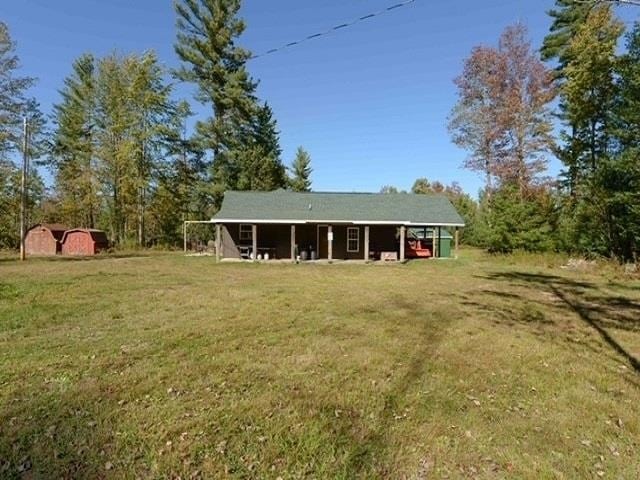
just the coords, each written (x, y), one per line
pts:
(23, 196)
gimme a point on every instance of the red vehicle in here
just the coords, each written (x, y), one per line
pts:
(417, 248)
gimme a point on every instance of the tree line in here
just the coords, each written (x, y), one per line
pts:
(117, 145)
(504, 118)
(510, 97)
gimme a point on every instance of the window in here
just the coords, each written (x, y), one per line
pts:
(246, 233)
(353, 239)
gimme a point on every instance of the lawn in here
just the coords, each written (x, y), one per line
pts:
(165, 366)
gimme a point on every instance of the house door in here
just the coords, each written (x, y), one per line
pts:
(323, 246)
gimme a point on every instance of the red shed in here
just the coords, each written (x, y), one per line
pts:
(44, 239)
(84, 241)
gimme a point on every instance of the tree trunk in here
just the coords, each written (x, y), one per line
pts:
(141, 217)
(115, 221)
(592, 146)
(488, 183)
(142, 179)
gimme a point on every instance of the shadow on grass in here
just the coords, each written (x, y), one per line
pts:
(55, 435)
(63, 435)
(369, 449)
(597, 309)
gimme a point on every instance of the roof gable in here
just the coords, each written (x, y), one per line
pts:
(96, 235)
(55, 229)
(295, 207)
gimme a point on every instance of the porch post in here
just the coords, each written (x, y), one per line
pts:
(439, 240)
(218, 241)
(402, 241)
(293, 243)
(366, 243)
(456, 241)
(184, 235)
(254, 235)
(435, 245)
(330, 242)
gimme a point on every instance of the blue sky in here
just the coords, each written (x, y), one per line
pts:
(370, 103)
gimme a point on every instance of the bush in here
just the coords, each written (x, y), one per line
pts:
(512, 221)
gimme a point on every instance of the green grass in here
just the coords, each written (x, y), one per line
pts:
(166, 366)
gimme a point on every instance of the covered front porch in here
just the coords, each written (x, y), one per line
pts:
(329, 241)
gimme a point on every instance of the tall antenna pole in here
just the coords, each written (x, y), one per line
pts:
(23, 199)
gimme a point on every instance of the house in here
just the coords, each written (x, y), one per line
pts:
(350, 226)
(44, 239)
(84, 241)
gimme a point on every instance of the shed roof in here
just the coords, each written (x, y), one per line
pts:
(96, 235)
(56, 229)
(283, 206)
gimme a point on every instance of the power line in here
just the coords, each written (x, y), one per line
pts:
(633, 3)
(334, 29)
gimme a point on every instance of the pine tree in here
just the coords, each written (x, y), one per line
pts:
(156, 117)
(9, 205)
(72, 156)
(258, 159)
(115, 128)
(301, 170)
(511, 222)
(207, 31)
(589, 91)
(13, 100)
(111, 131)
(115, 148)
(626, 115)
(15, 106)
(11, 179)
(589, 94)
(568, 17)
(265, 132)
(182, 190)
(10, 200)
(619, 177)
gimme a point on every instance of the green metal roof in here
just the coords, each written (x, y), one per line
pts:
(285, 206)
